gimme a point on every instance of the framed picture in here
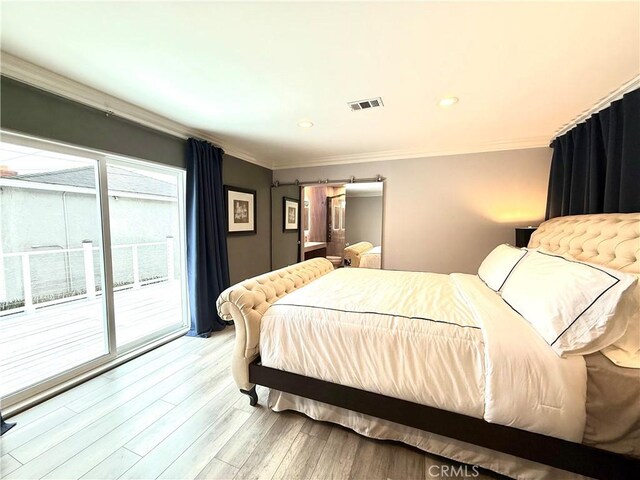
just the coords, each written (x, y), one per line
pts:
(290, 214)
(241, 210)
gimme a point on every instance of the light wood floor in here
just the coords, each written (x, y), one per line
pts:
(175, 413)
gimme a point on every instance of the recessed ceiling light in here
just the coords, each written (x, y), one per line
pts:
(448, 101)
(305, 124)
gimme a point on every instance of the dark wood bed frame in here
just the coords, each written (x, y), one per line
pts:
(562, 454)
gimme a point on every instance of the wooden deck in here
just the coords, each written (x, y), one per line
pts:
(36, 346)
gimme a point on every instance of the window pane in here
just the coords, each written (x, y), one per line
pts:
(51, 307)
(144, 209)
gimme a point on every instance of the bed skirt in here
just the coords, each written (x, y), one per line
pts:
(373, 427)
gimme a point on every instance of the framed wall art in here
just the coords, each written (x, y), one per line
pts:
(290, 214)
(241, 210)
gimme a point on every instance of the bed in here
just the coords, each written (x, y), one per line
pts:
(353, 253)
(372, 258)
(429, 359)
(363, 255)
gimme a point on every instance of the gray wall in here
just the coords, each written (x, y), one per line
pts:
(284, 245)
(364, 219)
(444, 214)
(29, 110)
(249, 255)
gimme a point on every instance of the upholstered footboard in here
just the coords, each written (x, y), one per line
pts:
(247, 301)
(353, 253)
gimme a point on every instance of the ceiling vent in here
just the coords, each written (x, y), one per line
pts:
(364, 104)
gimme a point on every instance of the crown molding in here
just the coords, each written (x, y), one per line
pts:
(44, 79)
(39, 77)
(600, 104)
(534, 142)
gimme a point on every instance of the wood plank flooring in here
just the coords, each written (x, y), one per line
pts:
(175, 413)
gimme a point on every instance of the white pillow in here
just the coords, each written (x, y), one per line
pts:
(571, 304)
(497, 266)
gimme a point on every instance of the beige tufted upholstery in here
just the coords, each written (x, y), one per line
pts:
(246, 302)
(609, 239)
(352, 253)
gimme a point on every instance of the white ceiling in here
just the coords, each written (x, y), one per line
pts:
(249, 72)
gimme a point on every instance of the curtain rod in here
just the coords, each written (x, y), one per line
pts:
(298, 183)
(598, 105)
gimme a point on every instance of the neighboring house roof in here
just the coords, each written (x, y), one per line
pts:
(120, 180)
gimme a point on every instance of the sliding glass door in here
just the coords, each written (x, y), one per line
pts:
(145, 205)
(52, 316)
(91, 261)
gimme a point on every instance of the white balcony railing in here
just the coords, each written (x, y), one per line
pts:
(90, 288)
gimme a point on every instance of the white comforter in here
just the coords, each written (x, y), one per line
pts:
(371, 258)
(446, 341)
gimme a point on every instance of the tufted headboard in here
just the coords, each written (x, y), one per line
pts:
(609, 239)
(246, 302)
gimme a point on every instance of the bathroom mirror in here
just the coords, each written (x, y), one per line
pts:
(341, 222)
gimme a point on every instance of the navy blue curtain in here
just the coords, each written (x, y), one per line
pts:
(596, 165)
(207, 260)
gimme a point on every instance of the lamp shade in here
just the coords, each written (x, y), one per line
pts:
(523, 235)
